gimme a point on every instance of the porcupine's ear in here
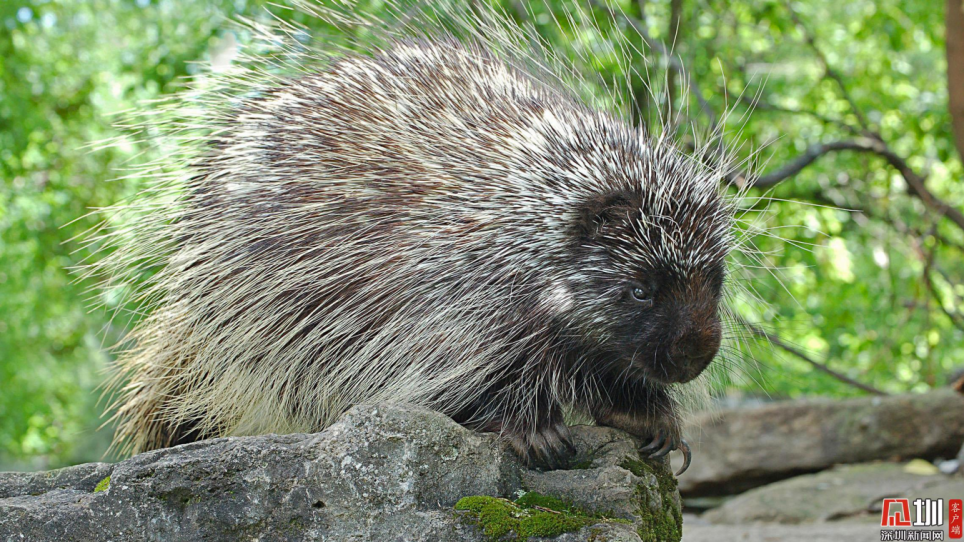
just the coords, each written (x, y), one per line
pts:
(604, 211)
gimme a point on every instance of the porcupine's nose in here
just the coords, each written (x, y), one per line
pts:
(695, 349)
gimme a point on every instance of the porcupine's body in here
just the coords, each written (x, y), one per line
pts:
(430, 225)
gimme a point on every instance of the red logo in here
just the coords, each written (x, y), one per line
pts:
(954, 508)
(900, 517)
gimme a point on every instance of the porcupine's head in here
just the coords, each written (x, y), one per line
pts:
(651, 263)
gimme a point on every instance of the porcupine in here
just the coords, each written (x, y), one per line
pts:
(433, 220)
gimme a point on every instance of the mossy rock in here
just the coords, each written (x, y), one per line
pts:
(617, 483)
(532, 515)
(659, 520)
(241, 488)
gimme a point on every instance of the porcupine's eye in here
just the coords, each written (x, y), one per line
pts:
(641, 294)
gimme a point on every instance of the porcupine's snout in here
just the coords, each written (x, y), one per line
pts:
(695, 348)
(680, 330)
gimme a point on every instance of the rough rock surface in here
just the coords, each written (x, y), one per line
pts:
(960, 461)
(384, 472)
(846, 492)
(841, 504)
(739, 449)
(765, 531)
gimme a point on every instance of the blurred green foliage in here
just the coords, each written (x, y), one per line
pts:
(66, 69)
(848, 288)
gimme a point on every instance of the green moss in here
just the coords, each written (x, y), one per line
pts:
(103, 484)
(534, 499)
(532, 515)
(582, 464)
(663, 525)
(296, 524)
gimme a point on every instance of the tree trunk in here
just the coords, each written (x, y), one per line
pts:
(955, 70)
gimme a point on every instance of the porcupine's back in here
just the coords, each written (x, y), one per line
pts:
(385, 229)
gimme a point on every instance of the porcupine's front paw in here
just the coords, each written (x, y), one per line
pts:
(661, 435)
(665, 440)
(549, 447)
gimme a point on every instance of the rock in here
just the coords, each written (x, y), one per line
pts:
(853, 492)
(960, 461)
(739, 449)
(35, 483)
(949, 467)
(601, 484)
(615, 481)
(818, 531)
(384, 472)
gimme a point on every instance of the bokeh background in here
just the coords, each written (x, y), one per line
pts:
(862, 268)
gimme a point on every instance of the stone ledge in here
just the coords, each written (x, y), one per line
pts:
(383, 472)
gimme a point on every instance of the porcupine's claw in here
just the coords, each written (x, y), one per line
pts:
(684, 448)
(664, 450)
(568, 450)
(551, 449)
(660, 447)
(552, 459)
(654, 444)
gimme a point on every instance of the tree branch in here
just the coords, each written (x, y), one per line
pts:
(873, 143)
(775, 340)
(797, 165)
(755, 103)
(915, 183)
(956, 318)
